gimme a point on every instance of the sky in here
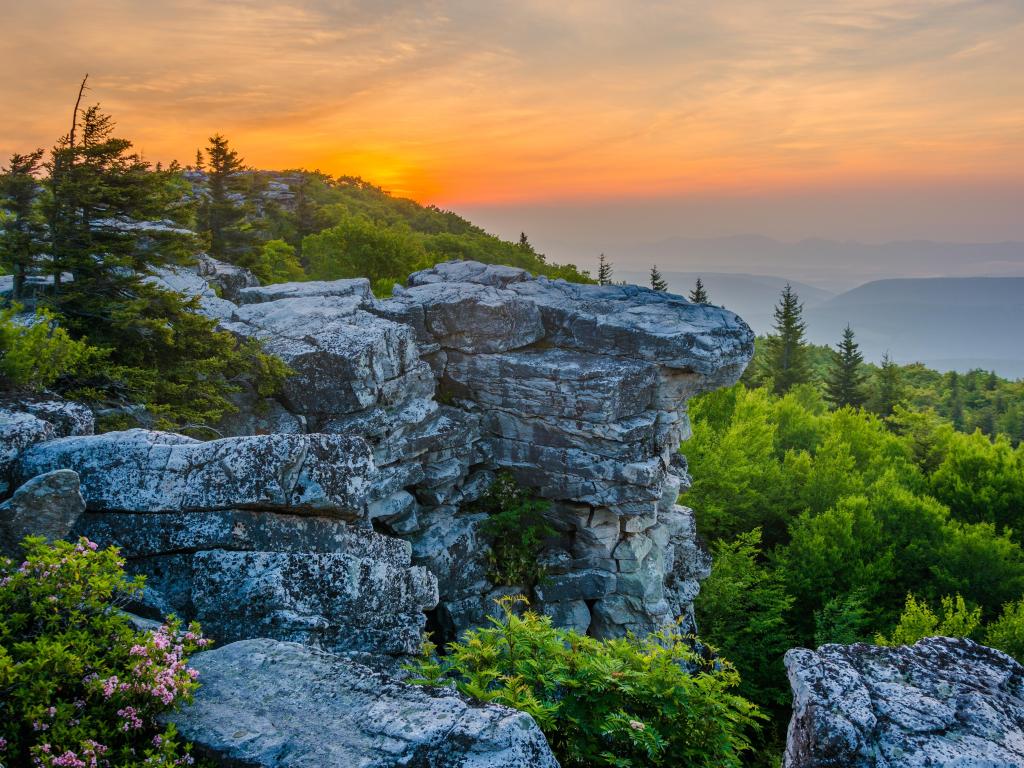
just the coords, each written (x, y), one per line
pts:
(585, 122)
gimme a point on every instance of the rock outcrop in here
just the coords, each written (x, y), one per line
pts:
(27, 421)
(578, 390)
(143, 471)
(941, 702)
(272, 704)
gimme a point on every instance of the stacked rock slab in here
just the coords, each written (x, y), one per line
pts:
(578, 390)
(252, 536)
(941, 702)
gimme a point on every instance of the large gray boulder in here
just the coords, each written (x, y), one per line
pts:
(941, 702)
(143, 471)
(273, 704)
(48, 505)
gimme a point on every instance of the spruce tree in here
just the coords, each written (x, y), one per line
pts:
(888, 387)
(657, 281)
(604, 271)
(844, 384)
(222, 211)
(698, 295)
(786, 362)
(22, 226)
(955, 400)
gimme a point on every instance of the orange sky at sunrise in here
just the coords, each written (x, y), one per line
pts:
(474, 103)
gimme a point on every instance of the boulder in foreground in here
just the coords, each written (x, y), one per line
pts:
(941, 702)
(281, 705)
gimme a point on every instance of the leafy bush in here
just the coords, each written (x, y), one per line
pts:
(623, 703)
(919, 621)
(79, 686)
(1007, 632)
(517, 528)
(277, 263)
(34, 355)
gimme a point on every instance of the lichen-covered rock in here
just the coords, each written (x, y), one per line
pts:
(143, 471)
(338, 601)
(280, 705)
(27, 421)
(229, 279)
(246, 573)
(940, 702)
(48, 505)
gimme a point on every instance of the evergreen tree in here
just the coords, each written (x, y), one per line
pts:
(844, 384)
(222, 211)
(22, 225)
(698, 295)
(108, 212)
(657, 281)
(786, 361)
(888, 387)
(604, 271)
(200, 165)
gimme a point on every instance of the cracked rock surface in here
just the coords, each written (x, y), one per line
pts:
(941, 702)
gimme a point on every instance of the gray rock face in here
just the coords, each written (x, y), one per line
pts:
(48, 505)
(145, 471)
(940, 702)
(282, 705)
(359, 287)
(245, 574)
(230, 280)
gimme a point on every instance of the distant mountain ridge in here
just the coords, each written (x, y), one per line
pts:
(830, 264)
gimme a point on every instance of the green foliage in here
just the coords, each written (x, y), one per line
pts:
(35, 353)
(355, 247)
(622, 703)
(1007, 632)
(277, 263)
(22, 232)
(854, 512)
(78, 684)
(918, 621)
(742, 612)
(517, 529)
(604, 271)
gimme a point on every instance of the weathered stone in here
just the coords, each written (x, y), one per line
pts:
(466, 317)
(279, 705)
(342, 356)
(48, 505)
(358, 287)
(145, 471)
(581, 585)
(337, 601)
(940, 702)
(186, 282)
(571, 614)
(229, 279)
(553, 382)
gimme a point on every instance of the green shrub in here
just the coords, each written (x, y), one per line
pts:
(34, 355)
(623, 703)
(1007, 632)
(79, 686)
(919, 621)
(517, 529)
(277, 263)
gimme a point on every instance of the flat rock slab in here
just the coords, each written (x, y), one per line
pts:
(941, 702)
(143, 471)
(281, 705)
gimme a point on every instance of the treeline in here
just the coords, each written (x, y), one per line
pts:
(306, 225)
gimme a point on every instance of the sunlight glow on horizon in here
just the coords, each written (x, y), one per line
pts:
(451, 103)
